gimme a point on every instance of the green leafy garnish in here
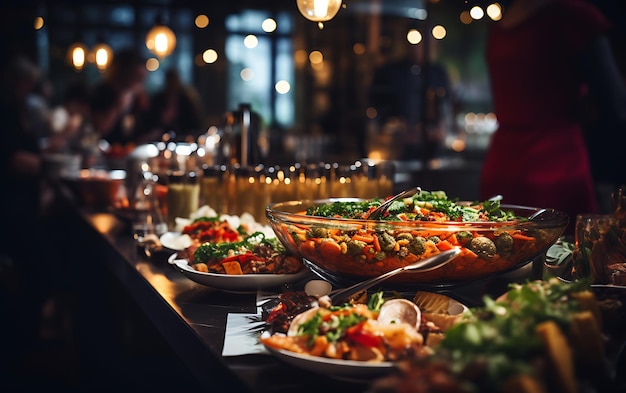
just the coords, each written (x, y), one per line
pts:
(207, 219)
(407, 208)
(502, 334)
(376, 301)
(335, 326)
(211, 251)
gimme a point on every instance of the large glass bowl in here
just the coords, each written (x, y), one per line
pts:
(326, 244)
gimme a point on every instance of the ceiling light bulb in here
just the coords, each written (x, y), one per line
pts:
(103, 54)
(77, 55)
(319, 10)
(161, 40)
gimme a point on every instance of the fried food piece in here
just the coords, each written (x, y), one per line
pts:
(588, 301)
(432, 303)
(233, 268)
(443, 321)
(586, 338)
(559, 354)
(523, 384)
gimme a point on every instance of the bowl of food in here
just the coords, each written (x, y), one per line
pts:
(231, 253)
(339, 242)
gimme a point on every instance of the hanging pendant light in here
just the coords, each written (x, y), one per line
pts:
(102, 55)
(319, 10)
(77, 55)
(161, 40)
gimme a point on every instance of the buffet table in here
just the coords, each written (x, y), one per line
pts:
(187, 318)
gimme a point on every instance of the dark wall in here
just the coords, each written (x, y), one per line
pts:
(17, 35)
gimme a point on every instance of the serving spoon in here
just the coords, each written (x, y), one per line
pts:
(380, 210)
(537, 214)
(424, 265)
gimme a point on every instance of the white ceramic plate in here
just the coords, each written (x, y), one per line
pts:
(336, 368)
(175, 241)
(235, 283)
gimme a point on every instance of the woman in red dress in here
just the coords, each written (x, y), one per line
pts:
(539, 56)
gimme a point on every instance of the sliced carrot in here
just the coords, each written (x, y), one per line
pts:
(444, 235)
(307, 247)
(521, 237)
(410, 259)
(330, 249)
(332, 232)
(363, 238)
(453, 240)
(403, 217)
(444, 245)
(376, 243)
(468, 255)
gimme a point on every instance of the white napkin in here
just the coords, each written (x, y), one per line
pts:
(242, 334)
(243, 330)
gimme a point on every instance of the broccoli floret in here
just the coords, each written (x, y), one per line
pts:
(403, 252)
(355, 247)
(463, 237)
(483, 247)
(380, 256)
(417, 246)
(504, 243)
(434, 239)
(404, 236)
(386, 241)
(317, 232)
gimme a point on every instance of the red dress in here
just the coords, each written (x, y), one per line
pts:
(538, 157)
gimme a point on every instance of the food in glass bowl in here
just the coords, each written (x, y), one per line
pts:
(339, 242)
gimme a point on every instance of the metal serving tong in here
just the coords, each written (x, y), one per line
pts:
(430, 263)
(380, 210)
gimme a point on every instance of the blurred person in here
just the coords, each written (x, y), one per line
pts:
(73, 129)
(604, 135)
(20, 166)
(120, 101)
(37, 289)
(20, 162)
(38, 108)
(176, 108)
(542, 56)
(422, 110)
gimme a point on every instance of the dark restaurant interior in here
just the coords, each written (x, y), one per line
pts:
(405, 82)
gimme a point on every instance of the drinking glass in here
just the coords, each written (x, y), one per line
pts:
(183, 196)
(148, 223)
(598, 241)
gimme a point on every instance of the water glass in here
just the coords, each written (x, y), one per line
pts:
(148, 223)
